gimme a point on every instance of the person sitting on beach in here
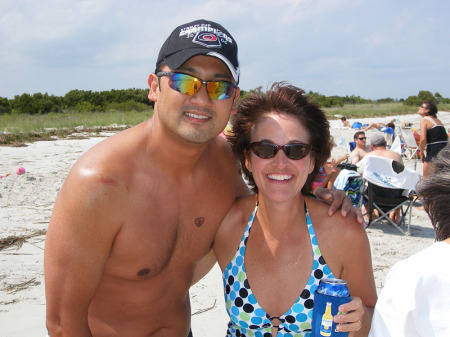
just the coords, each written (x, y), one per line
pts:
(414, 301)
(329, 171)
(345, 123)
(267, 246)
(361, 149)
(378, 146)
(137, 214)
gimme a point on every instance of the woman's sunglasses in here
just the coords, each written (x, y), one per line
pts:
(189, 85)
(266, 150)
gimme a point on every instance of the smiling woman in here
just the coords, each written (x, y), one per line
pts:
(289, 101)
(274, 229)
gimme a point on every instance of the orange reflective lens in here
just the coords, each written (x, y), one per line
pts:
(189, 85)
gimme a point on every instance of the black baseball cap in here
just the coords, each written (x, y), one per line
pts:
(200, 37)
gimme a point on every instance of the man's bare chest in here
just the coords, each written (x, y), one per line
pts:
(168, 230)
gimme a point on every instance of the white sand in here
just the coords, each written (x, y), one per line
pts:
(26, 202)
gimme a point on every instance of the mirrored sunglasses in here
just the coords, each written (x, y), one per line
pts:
(266, 150)
(189, 85)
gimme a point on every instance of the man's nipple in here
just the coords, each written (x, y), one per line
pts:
(143, 272)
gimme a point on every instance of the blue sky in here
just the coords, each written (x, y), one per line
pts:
(373, 49)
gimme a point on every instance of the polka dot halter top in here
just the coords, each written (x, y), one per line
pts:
(247, 318)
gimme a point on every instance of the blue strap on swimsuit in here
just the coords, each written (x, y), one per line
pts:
(247, 317)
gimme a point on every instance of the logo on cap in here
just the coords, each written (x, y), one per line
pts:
(207, 40)
(206, 35)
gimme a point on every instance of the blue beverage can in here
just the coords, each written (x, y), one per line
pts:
(329, 295)
(333, 287)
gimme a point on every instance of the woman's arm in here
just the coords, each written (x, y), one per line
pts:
(357, 271)
(336, 162)
(227, 239)
(423, 137)
(345, 248)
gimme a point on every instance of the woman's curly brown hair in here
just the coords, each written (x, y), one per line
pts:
(435, 191)
(281, 98)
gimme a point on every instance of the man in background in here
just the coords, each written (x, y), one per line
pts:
(361, 149)
(378, 147)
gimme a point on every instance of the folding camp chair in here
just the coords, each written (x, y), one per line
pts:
(389, 186)
(351, 183)
(410, 144)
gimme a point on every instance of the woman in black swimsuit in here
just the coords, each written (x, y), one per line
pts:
(433, 137)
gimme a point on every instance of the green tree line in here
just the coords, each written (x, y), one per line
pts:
(137, 100)
(426, 96)
(79, 101)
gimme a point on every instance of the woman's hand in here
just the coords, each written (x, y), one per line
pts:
(352, 320)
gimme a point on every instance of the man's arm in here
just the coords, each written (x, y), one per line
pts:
(79, 239)
(338, 200)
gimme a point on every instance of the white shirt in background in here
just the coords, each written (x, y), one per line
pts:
(415, 300)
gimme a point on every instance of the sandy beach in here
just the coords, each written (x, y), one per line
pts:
(26, 202)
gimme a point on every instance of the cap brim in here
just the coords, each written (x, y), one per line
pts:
(176, 60)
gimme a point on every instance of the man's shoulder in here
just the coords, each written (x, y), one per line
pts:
(115, 159)
(220, 152)
(386, 154)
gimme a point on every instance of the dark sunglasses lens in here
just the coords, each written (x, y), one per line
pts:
(264, 150)
(185, 84)
(296, 151)
(219, 90)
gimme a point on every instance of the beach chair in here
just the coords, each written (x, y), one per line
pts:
(351, 146)
(388, 186)
(410, 148)
(397, 145)
(351, 183)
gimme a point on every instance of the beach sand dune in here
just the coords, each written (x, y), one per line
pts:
(26, 202)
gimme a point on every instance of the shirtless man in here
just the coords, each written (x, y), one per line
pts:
(378, 146)
(361, 148)
(136, 217)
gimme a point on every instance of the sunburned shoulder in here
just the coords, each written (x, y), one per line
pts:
(335, 225)
(221, 149)
(109, 162)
